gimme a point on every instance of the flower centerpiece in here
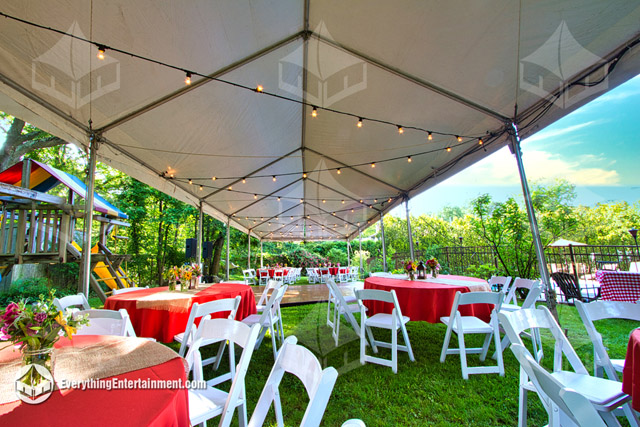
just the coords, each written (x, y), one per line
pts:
(172, 275)
(34, 329)
(196, 272)
(434, 266)
(410, 267)
(185, 277)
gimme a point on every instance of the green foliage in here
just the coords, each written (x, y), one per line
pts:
(482, 271)
(336, 256)
(24, 289)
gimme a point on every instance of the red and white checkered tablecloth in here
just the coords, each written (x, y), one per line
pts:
(619, 285)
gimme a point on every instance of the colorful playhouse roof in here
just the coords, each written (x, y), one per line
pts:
(44, 178)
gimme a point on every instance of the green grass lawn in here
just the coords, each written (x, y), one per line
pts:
(424, 392)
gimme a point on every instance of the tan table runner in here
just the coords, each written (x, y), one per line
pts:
(109, 357)
(175, 301)
(473, 286)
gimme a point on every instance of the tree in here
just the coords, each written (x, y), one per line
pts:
(22, 138)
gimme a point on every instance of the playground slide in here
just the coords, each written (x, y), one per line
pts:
(102, 271)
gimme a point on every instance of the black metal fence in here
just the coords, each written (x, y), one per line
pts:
(455, 259)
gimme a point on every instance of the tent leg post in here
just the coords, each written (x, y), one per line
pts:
(410, 235)
(384, 246)
(88, 216)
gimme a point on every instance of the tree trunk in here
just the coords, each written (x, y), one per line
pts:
(159, 257)
(217, 253)
(17, 144)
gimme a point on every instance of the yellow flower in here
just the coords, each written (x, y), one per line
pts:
(69, 330)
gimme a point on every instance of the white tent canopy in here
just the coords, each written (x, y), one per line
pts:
(450, 68)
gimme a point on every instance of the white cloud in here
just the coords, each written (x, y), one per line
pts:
(500, 169)
(547, 134)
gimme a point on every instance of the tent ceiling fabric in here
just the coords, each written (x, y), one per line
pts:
(453, 68)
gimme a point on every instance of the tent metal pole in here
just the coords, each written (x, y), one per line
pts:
(261, 259)
(199, 245)
(88, 214)
(360, 243)
(249, 250)
(348, 253)
(406, 203)
(533, 223)
(228, 229)
(384, 246)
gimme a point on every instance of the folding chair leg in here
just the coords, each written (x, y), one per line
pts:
(463, 354)
(496, 337)
(522, 400)
(223, 345)
(242, 411)
(407, 343)
(371, 340)
(263, 332)
(273, 342)
(485, 347)
(445, 344)
(631, 415)
(394, 351)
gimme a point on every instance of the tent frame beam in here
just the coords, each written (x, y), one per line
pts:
(274, 216)
(362, 205)
(265, 197)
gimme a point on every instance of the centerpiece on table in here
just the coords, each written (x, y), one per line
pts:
(410, 267)
(34, 329)
(434, 266)
(196, 272)
(185, 277)
(172, 275)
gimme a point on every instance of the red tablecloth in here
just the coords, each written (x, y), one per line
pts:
(272, 271)
(164, 324)
(631, 372)
(99, 407)
(619, 285)
(423, 300)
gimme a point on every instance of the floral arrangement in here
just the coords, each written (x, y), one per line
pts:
(410, 265)
(196, 270)
(39, 325)
(433, 264)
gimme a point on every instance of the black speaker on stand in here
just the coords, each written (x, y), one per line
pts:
(207, 250)
(190, 248)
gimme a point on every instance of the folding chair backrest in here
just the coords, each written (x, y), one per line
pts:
(72, 301)
(263, 273)
(599, 310)
(572, 403)
(518, 283)
(383, 296)
(516, 322)
(339, 298)
(236, 333)
(104, 322)
(199, 310)
(533, 295)
(503, 281)
(318, 383)
(129, 289)
(271, 285)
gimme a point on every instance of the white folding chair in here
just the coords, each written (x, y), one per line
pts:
(529, 302)
(598, 310)
(511, 297)
(296, 360)
(249, 277)
(324, 275)
(278, 275)
(72, 301)
(106, 322)
(393, 322)
(353, 272)
(313, 275)
(342, 274)
(461, 325)
(125, 290)
(200, 310)
(340, 305)
(270, 287)
(263, 277)
(354, 422)
(605, 395)
(500, 283)
(270, 320)
(210, 402)
(559, 401)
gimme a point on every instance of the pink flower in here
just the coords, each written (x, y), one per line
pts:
(4, 335)
(40, 317)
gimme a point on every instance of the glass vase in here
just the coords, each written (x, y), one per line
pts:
(412, 276)
(434, 273)
(40, 356)
(172, 285)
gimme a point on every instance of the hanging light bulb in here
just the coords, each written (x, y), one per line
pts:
(448, 149)
(229, 188)
(244, 180)
(373, 165)
(201, 188)
(304, 175)
(292, 218)
(246, 217)
(101, 50)
(409, 159)
(400, 130)
(339, 171)
(324, 201)
(359, 122)
(333, 213)
(276, 218)
(187, 80)
(259, 89)
(274, 178)
(213, 178)
(255, 197)
(459, 138)
(314, 112)
(190, 181)
(389, 200)
(375, 200)
(480, 141)
(429, 136)
(261, 218)
(278, 198)
(361, 200)
(301, 200)
(352, 211)
(343, 202)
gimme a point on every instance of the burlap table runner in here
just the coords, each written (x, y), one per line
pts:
(176, 301)
(473, 286)
(110, 357)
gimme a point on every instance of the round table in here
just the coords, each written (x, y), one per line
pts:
(631, 371)
(162, 320)
(98, 406)
(428, 300)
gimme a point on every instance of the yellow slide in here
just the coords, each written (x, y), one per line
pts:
(102, 271)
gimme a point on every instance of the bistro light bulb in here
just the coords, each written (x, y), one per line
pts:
(448, 149)
(480, 141)
(400, 130)
(101, 50)
(324, 201)
(360, 122)
(339, 171)
(255, 197)
(190, 181)
(201, 188)
(213, 178)
(259, 88)
(301, 200)
(409, 159)
(373, 165)
(187, 80)
(314, 112)
(278, 198)
(343, 202)
(375, 200)
(361, 200)
(229, 188)
(304, 175)
(292, 218)
(429, 136)
(274, 178)
(244, 180)
(459, 138)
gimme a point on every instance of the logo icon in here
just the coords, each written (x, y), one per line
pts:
(332, 74)
(65, 71)
(34, 384)
(558, 61)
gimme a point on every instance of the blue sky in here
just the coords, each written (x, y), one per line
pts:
(597, 148)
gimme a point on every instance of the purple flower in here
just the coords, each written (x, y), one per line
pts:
(40, 317)
(31, 332)
(4, 335)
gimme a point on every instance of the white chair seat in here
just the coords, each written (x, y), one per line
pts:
(599, 391)
(510, 307)
(618, 364)
(385, 321)
(350, 299)
(208, 403)
(470, 324)
(255, 318)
